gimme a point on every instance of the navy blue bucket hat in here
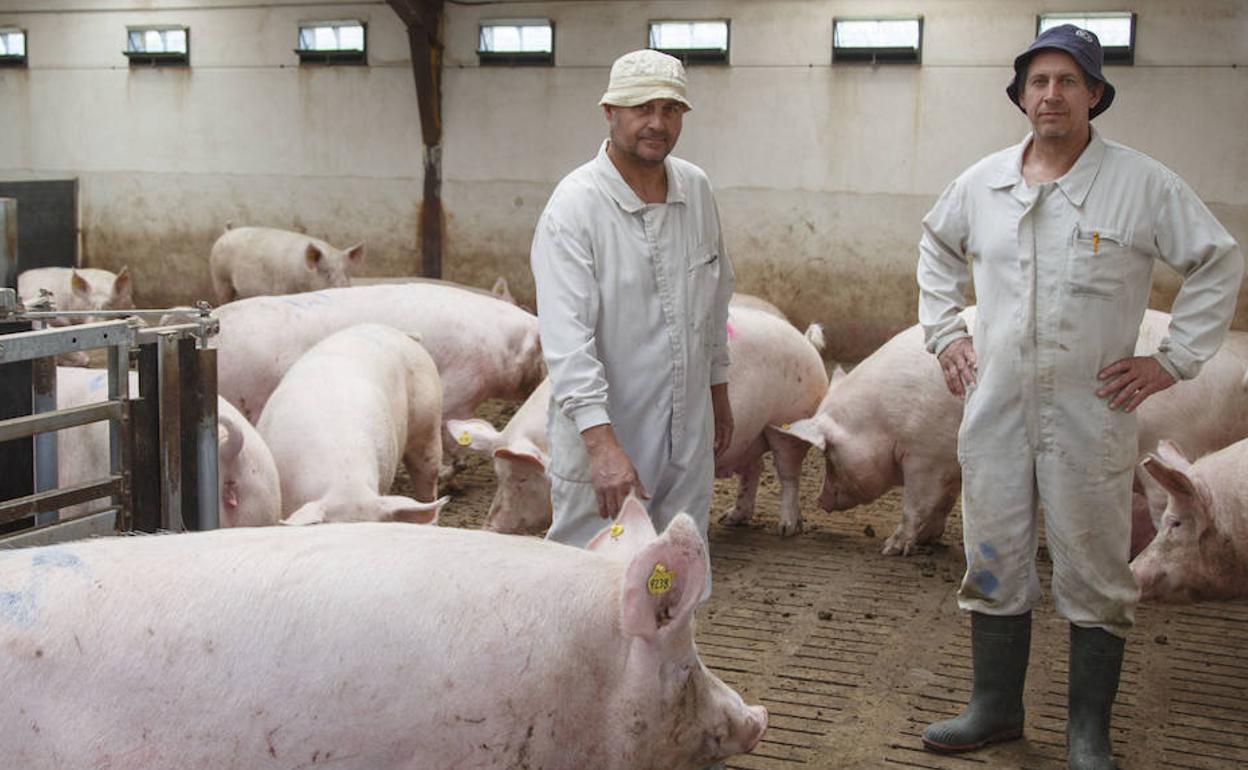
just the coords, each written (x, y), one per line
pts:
(1084, 48)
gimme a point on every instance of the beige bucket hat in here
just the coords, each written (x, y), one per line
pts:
(641, 76)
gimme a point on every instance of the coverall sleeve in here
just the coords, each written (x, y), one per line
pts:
(1192, 241)
(943, 272)
(567, 312)
(723, 294)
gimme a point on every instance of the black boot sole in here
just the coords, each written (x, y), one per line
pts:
(958, 748)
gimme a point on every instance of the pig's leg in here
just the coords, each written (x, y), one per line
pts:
(422, 460)
(788, 454)
(750, 472)
(931, 487)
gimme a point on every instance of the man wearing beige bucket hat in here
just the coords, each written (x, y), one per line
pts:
(632, 294)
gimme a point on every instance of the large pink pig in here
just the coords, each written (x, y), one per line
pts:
(483, 348)
(364, 646)
(247, 485)
(892, 421)
(776, 375)
(1201, 548)
(344, 416)
(254, 261)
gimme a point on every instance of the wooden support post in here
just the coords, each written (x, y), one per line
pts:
(424, 34)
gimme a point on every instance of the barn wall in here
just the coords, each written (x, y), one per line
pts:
(167, 155)
(822, 172)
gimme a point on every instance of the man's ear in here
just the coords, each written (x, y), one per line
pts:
(1098, 92)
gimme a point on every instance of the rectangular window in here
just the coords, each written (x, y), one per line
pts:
(516, 41)
(878, 40)
(12, 47)
(692, 41)
(332, 42)
(158, 45)
(1115, 30)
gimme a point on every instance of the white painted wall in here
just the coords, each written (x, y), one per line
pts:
(167, 155)
(822, 172)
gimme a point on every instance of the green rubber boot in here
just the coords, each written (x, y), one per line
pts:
(1095, 663)
(1000, 647)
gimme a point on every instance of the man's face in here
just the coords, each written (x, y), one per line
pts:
(648, 132)
(1055, 96)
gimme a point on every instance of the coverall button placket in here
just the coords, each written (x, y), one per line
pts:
(670, 322)
(1027, 258)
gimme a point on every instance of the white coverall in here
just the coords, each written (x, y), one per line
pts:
(632, 305)
(1062, 273)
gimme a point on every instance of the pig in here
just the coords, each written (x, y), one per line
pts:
(368, 646)
(344, 416)
(483, 348)
(892, 421)
(500, 289)
(1200, 552)
(247, 484)
(776, 376)
(77, 289)
(255, 261)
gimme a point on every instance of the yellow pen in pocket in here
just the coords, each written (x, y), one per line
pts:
(1096, 242)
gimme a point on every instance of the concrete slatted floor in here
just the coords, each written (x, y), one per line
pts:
(853, 653)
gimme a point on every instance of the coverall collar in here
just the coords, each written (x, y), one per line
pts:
(1074, 184)
(622, 194)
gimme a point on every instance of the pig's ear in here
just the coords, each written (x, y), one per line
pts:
(475, 434)
(664, 581)
(355, 254)
(121, 284)
(312, 256)
(631, 531)
(230, 437)
(839, 374)
(808, 430)
(525, 451)
(79, 285)
(308, 513)
(502, 290)
(407, 510)
(1175, 474)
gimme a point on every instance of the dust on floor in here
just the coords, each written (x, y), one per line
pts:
(853, 653)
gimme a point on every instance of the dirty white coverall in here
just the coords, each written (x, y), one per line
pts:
(632, 303)
(1062, 273)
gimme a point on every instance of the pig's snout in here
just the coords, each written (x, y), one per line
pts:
(754, 727)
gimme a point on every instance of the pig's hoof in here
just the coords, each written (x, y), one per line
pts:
(735, 518)
(790, 528)
(897, 545)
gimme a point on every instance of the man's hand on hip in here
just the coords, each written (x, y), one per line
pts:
(610, 470)
(723, 418)
(958, 363)
(1131, 380)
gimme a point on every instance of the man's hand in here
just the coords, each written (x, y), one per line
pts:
(610, 470)
(1131, 380)
(957, 363)
(723, 418)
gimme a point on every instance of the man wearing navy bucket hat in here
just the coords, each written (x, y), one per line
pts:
(1059, 235)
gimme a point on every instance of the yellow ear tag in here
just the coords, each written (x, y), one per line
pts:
(464, 439)
(660, 581)
(616, 530)
(786, 426)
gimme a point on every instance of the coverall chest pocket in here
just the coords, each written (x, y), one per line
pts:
(1099, 262)
(702, 286)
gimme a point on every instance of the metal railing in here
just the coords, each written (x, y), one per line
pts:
(162, 443)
